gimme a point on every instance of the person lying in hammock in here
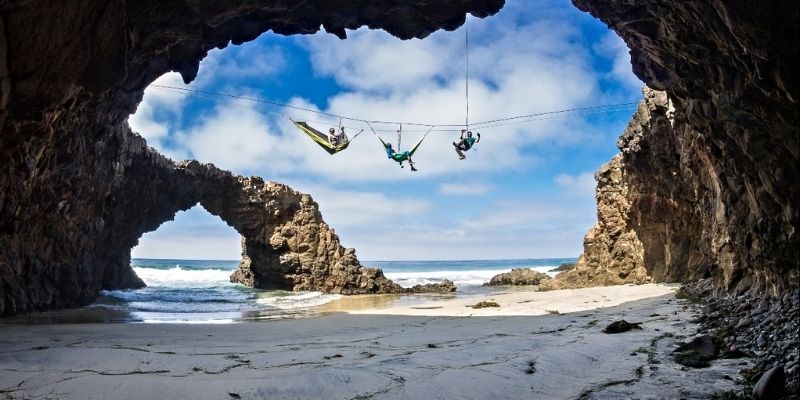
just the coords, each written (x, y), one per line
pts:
(399, 157)
(335, 139)
(465, 142)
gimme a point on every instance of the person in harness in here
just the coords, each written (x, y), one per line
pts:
(335, 139)
(399, 157)
(465, 142)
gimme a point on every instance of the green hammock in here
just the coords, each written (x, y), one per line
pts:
(322, 139)
(398, 155)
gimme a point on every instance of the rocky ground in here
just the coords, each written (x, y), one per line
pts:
(763, 329)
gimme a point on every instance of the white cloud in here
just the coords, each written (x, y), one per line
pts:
(193, 234)
(240, 63)
(158, 105)
(517, 70)
(621, 69)
(231, 137)
(581, 185)
(523, 61)
(358, 208)
(465, 189)
(189, 247)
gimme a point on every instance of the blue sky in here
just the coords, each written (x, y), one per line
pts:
(526, 191)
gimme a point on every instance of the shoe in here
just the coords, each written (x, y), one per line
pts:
(413, 169)
(462, 157)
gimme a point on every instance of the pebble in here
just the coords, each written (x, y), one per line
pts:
(743, 323)
(765, 327)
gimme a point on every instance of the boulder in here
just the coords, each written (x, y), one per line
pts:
(518, 277)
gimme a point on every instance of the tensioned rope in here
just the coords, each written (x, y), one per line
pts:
(518, 120)
(466, 84)
(521, 118)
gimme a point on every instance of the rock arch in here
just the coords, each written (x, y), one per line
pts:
(285, 242)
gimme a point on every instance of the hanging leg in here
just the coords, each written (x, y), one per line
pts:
(411, 163)
(461, 155)
(459, 148)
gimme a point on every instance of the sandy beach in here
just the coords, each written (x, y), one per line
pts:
(423, 348)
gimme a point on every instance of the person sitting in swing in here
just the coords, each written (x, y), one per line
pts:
(399, 157)
(465, 142)
(335, 139)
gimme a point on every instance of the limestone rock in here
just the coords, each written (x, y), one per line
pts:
(518, 277)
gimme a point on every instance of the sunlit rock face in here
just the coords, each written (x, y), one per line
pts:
(709, 167)
(77, 187)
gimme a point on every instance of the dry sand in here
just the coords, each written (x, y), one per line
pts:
(385, 348)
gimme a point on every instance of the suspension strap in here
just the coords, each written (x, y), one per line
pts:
(466, 85)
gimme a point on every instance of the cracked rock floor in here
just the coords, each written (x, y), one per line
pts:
(342, 356)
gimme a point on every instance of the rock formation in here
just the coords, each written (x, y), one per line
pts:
(712, 178)
(518, 277)
(77, 187)
(714, 195)
(612, 251)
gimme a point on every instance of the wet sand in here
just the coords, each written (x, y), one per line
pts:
(376, 350)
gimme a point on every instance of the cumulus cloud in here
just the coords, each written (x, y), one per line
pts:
(525, 60)
(347, 208)
(193, 234)
(465, 189)
(518, 69)
(581, 185)
(621, 70)
(157, 108)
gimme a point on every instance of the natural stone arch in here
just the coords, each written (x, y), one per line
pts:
(285, 242)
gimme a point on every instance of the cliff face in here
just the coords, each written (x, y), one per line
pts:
(715, 194)
(710, 167)
(77, 187)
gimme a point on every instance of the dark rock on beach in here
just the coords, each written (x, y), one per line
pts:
(698, 352)
(621, 326)
(770, 385)
(563, 267)
(446, 286)
(485, 304)
(770, 340)
(518, 277)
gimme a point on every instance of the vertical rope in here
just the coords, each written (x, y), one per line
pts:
(466, 47)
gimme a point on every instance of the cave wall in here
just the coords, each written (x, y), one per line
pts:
(712, 182)
(77, 187)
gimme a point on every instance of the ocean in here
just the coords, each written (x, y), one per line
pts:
(200, 290)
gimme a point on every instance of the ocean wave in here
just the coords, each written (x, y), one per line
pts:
(178, 277)
(291, 301)
(175, 296)
(460, 278)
